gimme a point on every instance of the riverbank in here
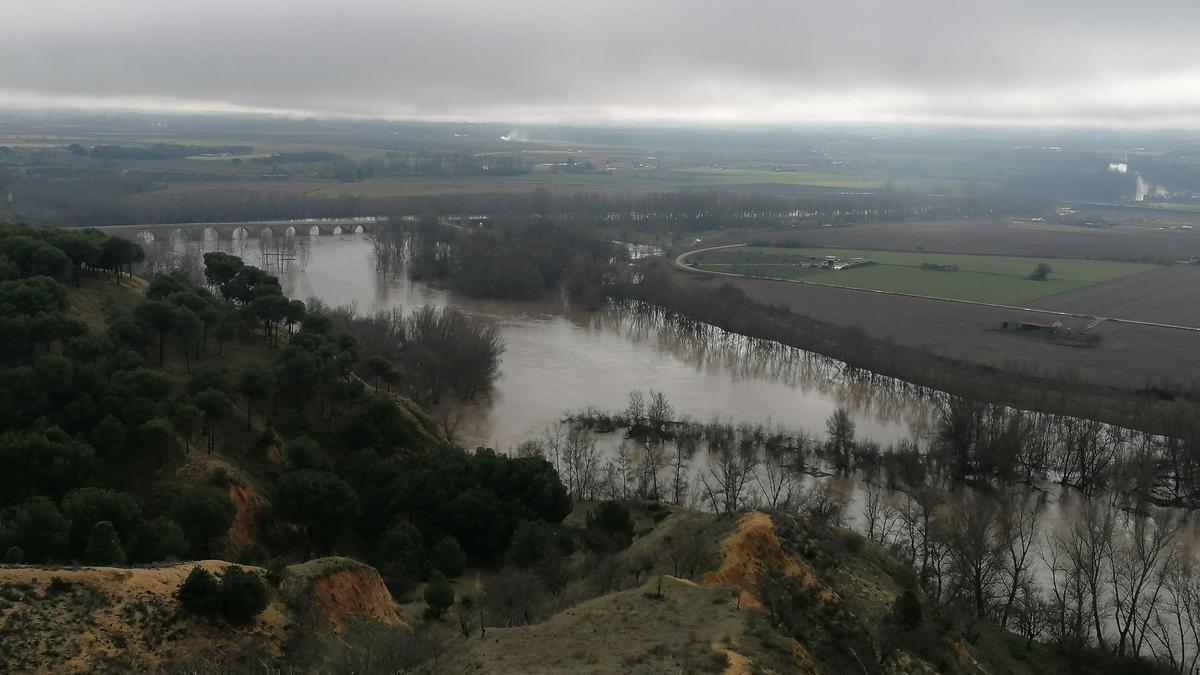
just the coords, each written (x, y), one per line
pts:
(892, 336)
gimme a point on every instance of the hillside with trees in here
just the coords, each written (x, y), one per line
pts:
(151, 423)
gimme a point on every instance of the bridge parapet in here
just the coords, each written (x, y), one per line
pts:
(245, 230)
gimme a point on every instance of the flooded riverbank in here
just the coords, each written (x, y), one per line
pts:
(560, 359)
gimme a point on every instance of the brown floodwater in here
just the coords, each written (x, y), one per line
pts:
(560, 359)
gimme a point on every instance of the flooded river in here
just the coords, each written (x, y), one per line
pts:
(559, 359)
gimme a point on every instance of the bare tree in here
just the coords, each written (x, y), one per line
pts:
(1176, 628)
(1067, 619)
(579, 462)
(914, 513)
(1080, 553)
(1087, 449)
(730, 467)
(681, 464)
(840, 427)
(776, 477)
(825, 505)
(1137, 571)
(975, 549)
(513, 595)
(531, 447)
(1031, 613)
(1019, 525)
(652, 460)
(880, 519)
(688, 551)
(659, 412)
(553, 440)
(635, 410)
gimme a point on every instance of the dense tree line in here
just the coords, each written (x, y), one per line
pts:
(97, 415)
(426, 164)
(165, 151)
(430, 354)
(513, 260)
(92, 197)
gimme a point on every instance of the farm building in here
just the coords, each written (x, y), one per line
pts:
(832, 262)
(1037, 323)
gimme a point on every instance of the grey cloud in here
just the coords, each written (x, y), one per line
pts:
(776, 60)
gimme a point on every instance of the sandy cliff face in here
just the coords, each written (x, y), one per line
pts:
(330, 590)
(356, 591)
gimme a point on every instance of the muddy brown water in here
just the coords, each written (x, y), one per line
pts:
(560, 359)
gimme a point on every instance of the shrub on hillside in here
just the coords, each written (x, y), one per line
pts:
(243, 595)
(200, 592)
(609, 527)
(438, 596)
(238, 595)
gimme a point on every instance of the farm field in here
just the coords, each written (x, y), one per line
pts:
(554, 182)
(623, 180)
(1130, 356)
(993, 236)
(1162, 295)
(1177, 206)
(978, 278)
(845, 181)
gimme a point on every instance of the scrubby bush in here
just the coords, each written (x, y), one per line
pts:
(200, 592)
(238, 595)
(609, 527)
(243, 594)
(59, 585)
(277, 571)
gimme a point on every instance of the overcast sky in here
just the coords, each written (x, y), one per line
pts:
(1007, 61)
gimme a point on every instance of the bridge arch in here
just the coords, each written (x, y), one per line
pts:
(178, 235)
(146, 235)
(314, 231)
(211, 233)
(290, 231)
(266, 233)
(241, 233)
(358, 229)
(337, 229)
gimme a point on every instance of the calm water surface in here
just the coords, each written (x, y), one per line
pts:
(558, 359)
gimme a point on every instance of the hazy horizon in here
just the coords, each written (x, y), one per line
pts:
(933, 62)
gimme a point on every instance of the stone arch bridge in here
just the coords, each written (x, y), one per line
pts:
(308, 227)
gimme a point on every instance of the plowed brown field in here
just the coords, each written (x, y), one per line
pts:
(1163, 295)
(1130, 356)
(994, 236)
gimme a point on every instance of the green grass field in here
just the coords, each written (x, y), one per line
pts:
(636, 180)
(1177, 206)
(981, 278)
